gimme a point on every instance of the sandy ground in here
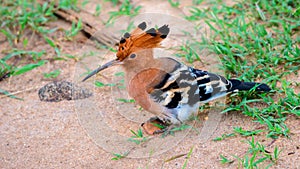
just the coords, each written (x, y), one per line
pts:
(85, 133)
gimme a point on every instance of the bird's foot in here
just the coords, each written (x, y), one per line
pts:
(155, 125)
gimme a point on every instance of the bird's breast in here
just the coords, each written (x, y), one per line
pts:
(140, 84)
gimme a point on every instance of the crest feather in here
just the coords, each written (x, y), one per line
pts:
(140, 39)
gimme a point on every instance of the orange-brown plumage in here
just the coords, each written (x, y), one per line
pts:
(140, 39)
(142, 84)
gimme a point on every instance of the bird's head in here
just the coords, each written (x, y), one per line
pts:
(133, 42)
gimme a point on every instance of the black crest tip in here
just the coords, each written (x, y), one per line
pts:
(126, 35)
(122, 40)
(151, 32)
(142, 25)
(163, 36)
(164, 30)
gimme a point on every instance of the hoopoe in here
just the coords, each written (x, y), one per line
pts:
(164, 86)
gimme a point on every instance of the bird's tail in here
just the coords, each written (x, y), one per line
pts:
(239, 85)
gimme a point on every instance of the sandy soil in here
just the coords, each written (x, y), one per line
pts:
(85, 133)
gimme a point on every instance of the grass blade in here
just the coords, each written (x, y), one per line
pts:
(28, 67)
(9, 94)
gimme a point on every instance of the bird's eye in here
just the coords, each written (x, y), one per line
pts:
(122, 48)
(132, 56)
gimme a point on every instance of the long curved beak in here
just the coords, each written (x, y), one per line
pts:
(106, 65)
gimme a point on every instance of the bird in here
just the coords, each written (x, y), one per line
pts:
(163, 86)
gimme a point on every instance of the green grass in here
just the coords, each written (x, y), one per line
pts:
(190, 51)
(224, 136)
(187, 158)
(98, 10)
(22, 22)
(138, 137)
(52, 74)
(257, 42)
(186, 155)
(256, 156)
(172, 130)
(9, 94)
(22, 15)
(100, 84)
(74, 30)
(125, 9)
(118, 156)
(126, 100)
(248, 47)
(174, 3)
(120, 84)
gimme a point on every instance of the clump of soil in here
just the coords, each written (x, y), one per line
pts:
(62, 90)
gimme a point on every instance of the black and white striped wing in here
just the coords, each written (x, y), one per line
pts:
(211, 86)
(189, 86)
(176, 89)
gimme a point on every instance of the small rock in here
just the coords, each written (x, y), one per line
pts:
(62, 90)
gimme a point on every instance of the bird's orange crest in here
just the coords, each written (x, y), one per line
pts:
(140, 39)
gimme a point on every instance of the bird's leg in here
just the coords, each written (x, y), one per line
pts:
(155, 125)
